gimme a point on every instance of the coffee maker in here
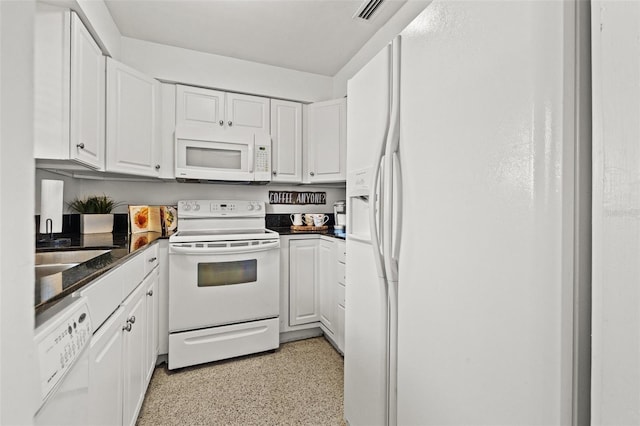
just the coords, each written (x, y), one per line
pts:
(340, 215)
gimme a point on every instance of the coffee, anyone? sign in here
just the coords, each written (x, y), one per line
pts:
(297, 197)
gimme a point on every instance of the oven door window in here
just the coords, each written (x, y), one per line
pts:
(212, 274)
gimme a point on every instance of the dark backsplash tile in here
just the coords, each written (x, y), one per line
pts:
(274, 220)
(71, 223)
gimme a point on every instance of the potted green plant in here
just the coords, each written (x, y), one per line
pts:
(95, 213)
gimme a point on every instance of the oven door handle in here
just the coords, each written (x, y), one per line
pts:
(224, 250)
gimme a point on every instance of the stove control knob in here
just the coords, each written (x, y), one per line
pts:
(258, 206)
(187, 207)
(250, 207)
(196, 207)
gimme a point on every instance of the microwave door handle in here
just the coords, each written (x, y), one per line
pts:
(224, 250)
(251, 156)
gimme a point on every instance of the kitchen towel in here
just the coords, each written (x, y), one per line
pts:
(51, 195)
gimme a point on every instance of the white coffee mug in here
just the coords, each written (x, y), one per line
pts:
(296, 219)
(320, 219)
(308, 219)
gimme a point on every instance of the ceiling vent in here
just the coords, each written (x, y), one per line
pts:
(367, 9)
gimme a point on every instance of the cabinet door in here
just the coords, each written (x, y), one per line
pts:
(87, 97)
(286, 134)
(133, 143)
(52, 62)
(327, 283)
(134, 355)
(247, 114)
(303, 282)
(106, 372)
(167, 130)
(152, 305)
(327, 141)
(340, 328)
(199, 107)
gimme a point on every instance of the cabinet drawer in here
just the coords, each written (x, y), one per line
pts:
(342, 252)
(150, 259)
(340, 298)
(341, 272)
(131, 274)
(106, 293)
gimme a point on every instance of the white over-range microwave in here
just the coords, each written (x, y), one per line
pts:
(231, 157)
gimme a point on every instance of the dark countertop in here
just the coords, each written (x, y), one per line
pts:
(50, 289)
(329, 233)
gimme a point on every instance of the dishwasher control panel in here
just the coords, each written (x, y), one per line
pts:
(59, 343)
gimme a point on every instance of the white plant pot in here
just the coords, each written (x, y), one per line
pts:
(96, 223)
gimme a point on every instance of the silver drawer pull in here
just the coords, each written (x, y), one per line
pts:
(153, 259)
(132, 319)
(150, 293)
(127, 327)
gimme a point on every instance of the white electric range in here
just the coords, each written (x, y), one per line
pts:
(224, 282)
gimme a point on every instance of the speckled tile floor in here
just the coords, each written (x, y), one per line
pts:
(299, 384)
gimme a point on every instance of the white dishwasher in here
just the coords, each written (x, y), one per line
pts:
(62, 336)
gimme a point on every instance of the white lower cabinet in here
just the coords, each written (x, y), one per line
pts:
(303, 282)
(105, 372)
(153, 308)
(124, 348)
(341, 251)
(312, 291)
(326, 276)
(134, 368)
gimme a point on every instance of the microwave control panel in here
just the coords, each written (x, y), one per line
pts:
(262, 159)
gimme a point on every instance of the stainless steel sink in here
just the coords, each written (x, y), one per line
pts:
(67, 257)
(50, 263)
(44, 270)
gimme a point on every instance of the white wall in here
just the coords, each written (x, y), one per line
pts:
(204, 69)
(16, 205)
(101, 24)
(97, 18)
(616, 214)
(382, 37)
(167, 193)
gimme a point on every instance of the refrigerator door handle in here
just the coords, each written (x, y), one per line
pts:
(392, 211)
(397, 206)
(392, 146)
(377, 196)
(375, 218)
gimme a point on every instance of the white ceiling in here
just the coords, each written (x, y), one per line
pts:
(317, 36)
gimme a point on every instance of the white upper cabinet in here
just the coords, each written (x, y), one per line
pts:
(247, 113)
(87, 96)
(327, 141)
(167, 129)
(286, 135)
(69, 103)
(221, 111)
(134, 145)
(199, 107)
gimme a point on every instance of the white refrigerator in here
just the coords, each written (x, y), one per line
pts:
(464, 230)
